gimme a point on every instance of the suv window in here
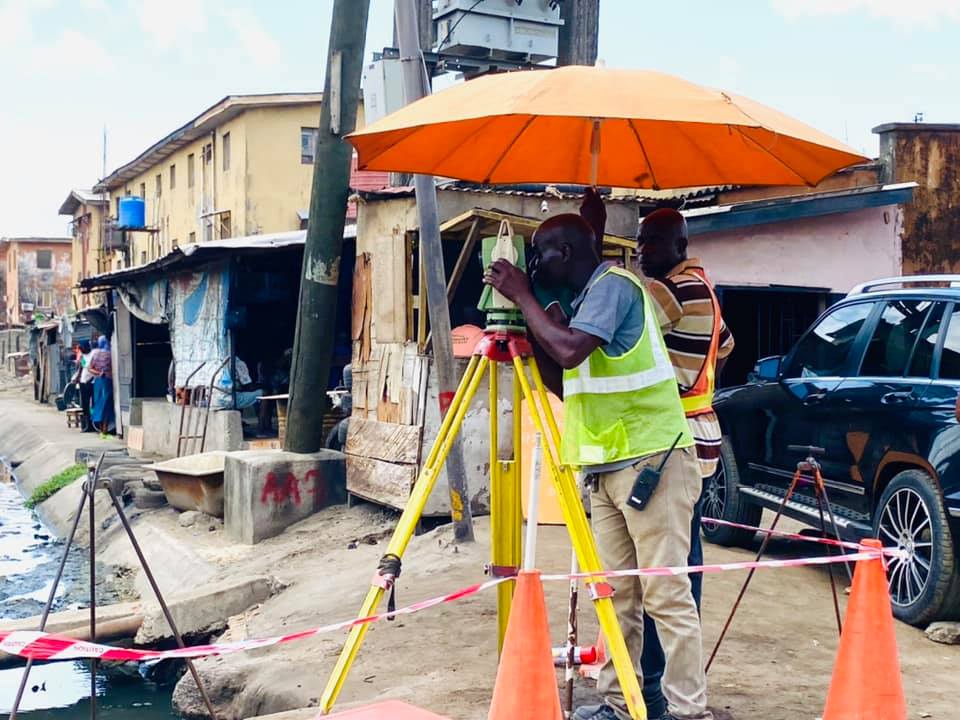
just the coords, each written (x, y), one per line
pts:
(903, 340)
(823, 351)
(950, 357)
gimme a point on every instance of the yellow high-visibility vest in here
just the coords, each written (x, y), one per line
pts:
(618, 408)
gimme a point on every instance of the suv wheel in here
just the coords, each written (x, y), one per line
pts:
(911, 517)
(722, 500)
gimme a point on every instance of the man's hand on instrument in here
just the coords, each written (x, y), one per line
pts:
(512, 282)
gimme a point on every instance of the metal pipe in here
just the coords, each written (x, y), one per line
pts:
(90, 487)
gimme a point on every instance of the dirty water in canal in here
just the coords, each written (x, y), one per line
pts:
(29, 555)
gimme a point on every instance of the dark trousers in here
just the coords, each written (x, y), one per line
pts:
(86, 396)
(653, 660)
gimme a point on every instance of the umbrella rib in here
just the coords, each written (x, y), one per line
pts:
(643, 149)
(508, 148)
(770, 152)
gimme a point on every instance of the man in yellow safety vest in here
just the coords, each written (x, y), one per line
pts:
(622, 416)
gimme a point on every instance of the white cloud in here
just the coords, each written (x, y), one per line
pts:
(173, 23)
(910, 12)
(69, 49)
(254, 40)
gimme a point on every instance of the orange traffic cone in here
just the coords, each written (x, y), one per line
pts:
(526, 686)
(866, 682)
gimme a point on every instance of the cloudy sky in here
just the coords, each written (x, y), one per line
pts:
(141, 68)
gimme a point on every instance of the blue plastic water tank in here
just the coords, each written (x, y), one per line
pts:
(132, 212)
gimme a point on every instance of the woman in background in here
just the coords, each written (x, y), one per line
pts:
(101, 367)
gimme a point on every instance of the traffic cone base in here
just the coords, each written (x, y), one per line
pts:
(526, 687)
(389, 710)
(866, 683)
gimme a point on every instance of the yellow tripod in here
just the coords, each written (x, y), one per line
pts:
(496, 347)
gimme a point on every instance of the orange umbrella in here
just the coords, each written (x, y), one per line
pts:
(598, 126)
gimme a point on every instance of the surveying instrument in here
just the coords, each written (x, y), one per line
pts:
(504, 341)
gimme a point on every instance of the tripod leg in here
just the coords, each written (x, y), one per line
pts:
(833, 583)
(422, 488)
(499, 511)
(746, 582)
(50, 598)
(156, 591)
(582, 540)
(833, 522)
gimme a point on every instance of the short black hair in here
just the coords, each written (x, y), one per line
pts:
(571, 227)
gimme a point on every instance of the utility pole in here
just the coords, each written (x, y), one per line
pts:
(317, 314)
(579, 32)
(415, 86)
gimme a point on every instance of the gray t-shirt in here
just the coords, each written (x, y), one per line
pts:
(611, 309)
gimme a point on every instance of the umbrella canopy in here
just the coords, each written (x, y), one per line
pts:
(598, 126)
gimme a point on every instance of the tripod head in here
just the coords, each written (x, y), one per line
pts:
(502, 314)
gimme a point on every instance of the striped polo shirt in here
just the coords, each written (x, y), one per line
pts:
(685, 312)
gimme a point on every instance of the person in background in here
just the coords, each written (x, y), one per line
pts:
(101, 368)
(84, 379)
(698, 342)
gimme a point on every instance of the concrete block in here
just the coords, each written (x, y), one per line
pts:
(161, 424)
(204, 609)
(266, 491)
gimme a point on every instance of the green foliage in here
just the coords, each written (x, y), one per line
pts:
(57, 482)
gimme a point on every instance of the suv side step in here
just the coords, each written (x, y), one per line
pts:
(773, 501)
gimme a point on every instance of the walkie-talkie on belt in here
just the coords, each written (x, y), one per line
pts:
(647, 481)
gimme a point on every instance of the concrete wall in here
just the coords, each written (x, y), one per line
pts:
(830, 251)
(161, 422)
(929, 155)
(3, 284)
(48, 289)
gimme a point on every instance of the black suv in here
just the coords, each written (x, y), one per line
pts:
(874, 383)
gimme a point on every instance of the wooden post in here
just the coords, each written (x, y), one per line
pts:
(317, 314)
(579, 32)
(415, 87)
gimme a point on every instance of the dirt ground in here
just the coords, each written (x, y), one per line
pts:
(775, 663)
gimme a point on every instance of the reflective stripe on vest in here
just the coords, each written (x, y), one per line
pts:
(699, 398)
(618, 408)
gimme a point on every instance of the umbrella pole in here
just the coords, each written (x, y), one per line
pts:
(594, 151)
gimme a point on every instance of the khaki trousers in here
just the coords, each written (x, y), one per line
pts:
(658, 535)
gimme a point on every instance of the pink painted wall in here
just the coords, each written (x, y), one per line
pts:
(832, 251)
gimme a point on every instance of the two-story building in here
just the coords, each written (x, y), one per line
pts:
(242, 167)
(37, 277)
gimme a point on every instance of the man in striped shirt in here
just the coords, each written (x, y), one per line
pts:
(699, 343)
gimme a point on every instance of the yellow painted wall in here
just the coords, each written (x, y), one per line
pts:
(263, 189)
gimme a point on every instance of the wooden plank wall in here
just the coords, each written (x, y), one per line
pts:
(389, 377)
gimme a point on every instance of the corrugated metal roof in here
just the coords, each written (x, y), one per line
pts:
(197, 252)
(78, 197)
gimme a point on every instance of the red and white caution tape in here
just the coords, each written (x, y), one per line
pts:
(890, 552)
(45, 646)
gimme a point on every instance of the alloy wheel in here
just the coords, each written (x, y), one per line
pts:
(905, 523)
(715, 494)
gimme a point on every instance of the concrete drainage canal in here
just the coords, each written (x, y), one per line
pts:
(29, 555)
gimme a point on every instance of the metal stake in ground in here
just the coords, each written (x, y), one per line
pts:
(156, 591)
(50, 598)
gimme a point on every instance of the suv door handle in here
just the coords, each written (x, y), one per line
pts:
(897, 397)
(814, 398)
